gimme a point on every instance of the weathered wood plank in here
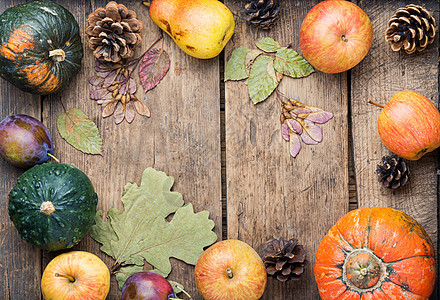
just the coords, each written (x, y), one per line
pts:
(268, 191)
(182, 137)
(20, 262)
(382, 74)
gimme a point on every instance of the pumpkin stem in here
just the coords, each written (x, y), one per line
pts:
(47, 207)
(71, 279)
(58, 55)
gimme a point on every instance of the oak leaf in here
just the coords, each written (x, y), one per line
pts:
(142, 233)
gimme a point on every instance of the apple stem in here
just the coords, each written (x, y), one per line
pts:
(229, 273)
(53, 157)
(71, 279)
(371, 102)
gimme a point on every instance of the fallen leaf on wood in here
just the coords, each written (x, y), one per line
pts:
(79, 131)
(262, 79)
(235, 68)
(264, 72)
(268, 44)
(155, 65)
(290, 63)
(141, 231)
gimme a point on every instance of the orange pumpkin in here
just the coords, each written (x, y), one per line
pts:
(375, 253)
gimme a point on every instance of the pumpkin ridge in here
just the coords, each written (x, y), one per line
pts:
(367, 237)
(344, 239)
(406, 289)
(402, 259)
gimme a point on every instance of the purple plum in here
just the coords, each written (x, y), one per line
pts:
(24, 141)
(147, 286)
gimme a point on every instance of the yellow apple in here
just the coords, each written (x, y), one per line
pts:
(76, 275)
(201, 28)
(230, 269)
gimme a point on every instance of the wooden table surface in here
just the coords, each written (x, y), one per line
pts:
(227, 155)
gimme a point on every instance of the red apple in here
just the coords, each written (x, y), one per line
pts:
(335, 36)
(409, 125)
(76, 275)
(232, 270)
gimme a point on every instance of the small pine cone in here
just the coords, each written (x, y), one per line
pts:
(262, 13)
(113, 32)
(393, 172)
(284, 260)
(412, 28)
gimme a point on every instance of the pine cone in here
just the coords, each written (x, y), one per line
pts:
(284, 260)
(113, 32)
(262, 13)
(393, 172)
(411, 28)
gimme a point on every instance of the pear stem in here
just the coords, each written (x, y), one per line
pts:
(371, 102)
(53, 157)
(71, 279)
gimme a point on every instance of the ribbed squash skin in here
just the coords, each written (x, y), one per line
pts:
(72, 195)
(28, 32)
(400, 246)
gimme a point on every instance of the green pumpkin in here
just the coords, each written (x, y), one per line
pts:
(41, 48)
(53, 206)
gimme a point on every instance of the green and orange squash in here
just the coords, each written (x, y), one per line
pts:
(40, 47)
(377, 253)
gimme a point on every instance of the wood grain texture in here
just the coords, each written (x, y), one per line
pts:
(382, 74)
(269, 193)
(20, 262)
(182, 137)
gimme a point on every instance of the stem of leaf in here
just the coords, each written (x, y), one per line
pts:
(142, 56)
(65, 111)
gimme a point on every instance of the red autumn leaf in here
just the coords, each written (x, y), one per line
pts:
(153, 68)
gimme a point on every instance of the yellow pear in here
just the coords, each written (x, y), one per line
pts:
(201, 28)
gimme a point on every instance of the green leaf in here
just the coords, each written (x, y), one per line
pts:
(141, 231)
(250, 58)
(79, 131)
(235, 68)
(290, 63)
(268, 45)
(262, 79)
